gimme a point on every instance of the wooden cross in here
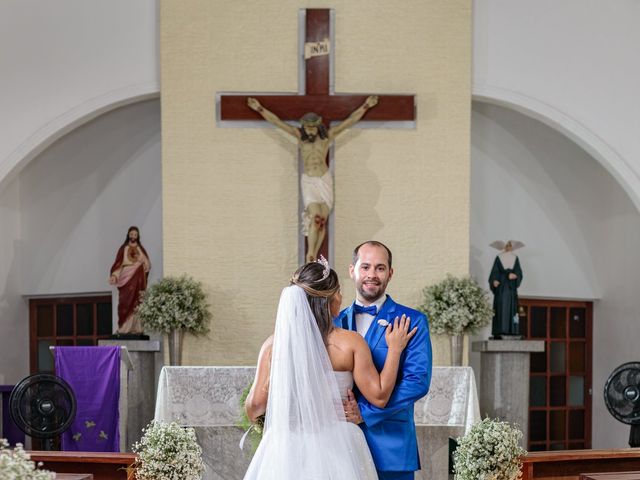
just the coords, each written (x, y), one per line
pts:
(317, 95)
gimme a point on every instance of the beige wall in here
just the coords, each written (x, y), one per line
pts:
(230, 194)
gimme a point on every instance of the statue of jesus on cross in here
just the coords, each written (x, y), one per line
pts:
(316, 183)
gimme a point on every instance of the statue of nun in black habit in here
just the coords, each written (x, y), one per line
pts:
(505, 278)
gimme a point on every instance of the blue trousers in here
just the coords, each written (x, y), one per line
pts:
(395, 475)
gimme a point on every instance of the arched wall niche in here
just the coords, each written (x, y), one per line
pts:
(564, 123)
(73, 118)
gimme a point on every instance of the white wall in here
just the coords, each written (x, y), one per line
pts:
(14, 332)
(67, 61)
(69, 211)
(575, 62)
(530, 183)
(82, 194)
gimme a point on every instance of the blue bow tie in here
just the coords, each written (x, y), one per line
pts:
(371, 309)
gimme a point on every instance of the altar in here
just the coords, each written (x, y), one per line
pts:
(207, 398)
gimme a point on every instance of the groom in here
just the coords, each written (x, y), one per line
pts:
(390, 431)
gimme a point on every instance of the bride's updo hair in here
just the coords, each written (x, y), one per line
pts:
(319, 292)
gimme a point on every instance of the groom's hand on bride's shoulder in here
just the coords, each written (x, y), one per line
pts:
(397, 334)
(351, 409)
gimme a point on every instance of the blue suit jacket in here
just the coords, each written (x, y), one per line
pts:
(391, 431)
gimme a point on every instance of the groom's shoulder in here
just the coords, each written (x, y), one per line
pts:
(409, 312)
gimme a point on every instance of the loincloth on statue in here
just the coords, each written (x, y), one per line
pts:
(315, 190)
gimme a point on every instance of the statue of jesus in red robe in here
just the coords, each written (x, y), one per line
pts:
(129, 273)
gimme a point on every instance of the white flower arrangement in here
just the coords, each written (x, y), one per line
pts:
(175, 303)
(456, 306)
(168, 451)
(490, 451)
(15, 464)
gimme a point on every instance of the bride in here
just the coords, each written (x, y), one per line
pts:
(304, 371)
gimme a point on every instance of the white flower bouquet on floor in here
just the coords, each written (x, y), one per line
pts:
(168, 451)
(15, 464)
(490, 451)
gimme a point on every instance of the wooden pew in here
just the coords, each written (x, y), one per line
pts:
(103, 466)
(570, 464)
(610, 476)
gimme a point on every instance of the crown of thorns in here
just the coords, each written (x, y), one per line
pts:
(311, 120)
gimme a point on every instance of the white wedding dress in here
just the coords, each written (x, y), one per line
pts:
(344, 381)
(306, 434)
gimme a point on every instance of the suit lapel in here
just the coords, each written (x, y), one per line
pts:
(376, 331)
(348, 319)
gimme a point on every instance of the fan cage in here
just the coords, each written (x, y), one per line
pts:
(42, 405)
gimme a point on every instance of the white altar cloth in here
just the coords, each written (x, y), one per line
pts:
(452, 399)
(209, 396)
(201, 396)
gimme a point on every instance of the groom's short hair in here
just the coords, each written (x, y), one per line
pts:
(373, 243)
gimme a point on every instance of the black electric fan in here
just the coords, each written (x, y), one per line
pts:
(622, 397)
(42, 406)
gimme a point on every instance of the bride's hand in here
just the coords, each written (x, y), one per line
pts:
(351, 409)
(398, 334)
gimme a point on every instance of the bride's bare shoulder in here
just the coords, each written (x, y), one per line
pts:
(346, 337)
(267, 346)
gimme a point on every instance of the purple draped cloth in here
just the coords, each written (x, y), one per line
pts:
(94, 375)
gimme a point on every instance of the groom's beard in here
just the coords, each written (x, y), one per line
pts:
(374, 290)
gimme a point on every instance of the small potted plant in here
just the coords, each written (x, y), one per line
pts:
(168, 451)
(490, 451)
(175, 305)
(456, 306)
(16, 464)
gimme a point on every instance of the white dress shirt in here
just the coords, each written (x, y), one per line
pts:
(364, 320)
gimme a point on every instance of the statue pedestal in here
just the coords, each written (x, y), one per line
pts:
(504, 379)
(141, 397)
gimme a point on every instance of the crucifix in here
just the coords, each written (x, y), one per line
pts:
(316, 106)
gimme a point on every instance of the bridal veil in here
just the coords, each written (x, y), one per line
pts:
(306, 434)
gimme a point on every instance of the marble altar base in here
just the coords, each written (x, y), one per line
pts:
(222, 443)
